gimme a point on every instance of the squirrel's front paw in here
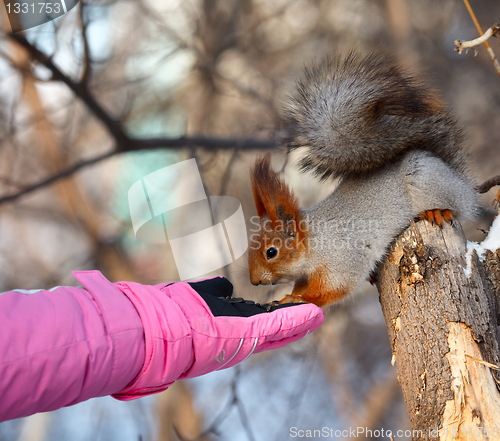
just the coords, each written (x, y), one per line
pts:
(290, 298)
(439, 217)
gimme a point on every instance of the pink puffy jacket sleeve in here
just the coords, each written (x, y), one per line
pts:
(65, 345)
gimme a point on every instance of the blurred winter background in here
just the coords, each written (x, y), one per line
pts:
(167, 69)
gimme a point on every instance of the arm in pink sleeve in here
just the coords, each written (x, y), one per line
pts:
(66, 345)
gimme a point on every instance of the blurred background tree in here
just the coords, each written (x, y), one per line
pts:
(114, 90)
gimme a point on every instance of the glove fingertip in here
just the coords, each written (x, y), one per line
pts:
(305, 312)
(287, 323)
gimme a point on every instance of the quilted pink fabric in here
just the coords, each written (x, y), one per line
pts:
(62, 346)
(65, 345)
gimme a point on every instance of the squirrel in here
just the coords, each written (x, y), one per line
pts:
(397, 152)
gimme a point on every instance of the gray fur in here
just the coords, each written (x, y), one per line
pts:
(356, 115)
(351, 229)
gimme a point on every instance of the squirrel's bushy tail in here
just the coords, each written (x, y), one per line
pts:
(355, 115)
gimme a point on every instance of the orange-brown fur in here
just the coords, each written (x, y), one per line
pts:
(280, 217)
(281, 226)
(314, 289)
(270, 193)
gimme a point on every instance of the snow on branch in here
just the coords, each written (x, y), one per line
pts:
(492, 243)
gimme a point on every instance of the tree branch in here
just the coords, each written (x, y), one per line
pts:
(149, 144)
(123, 142)
(79, 89)
(487, 185)
(440, 317)
(486, 44)
(494, 31)
(87, 61)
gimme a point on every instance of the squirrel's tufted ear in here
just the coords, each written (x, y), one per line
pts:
(259, 203)
(271, 195)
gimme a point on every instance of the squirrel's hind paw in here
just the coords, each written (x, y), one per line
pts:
(439, 217)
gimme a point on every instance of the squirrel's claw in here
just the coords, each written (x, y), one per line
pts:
(373, 277)
(290, 298)
(438, 217)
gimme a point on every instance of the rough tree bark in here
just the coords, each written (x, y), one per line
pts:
(443, 328)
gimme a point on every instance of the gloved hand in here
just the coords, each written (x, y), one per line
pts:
(195, 328)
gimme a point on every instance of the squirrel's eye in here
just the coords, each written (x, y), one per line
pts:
(271, 252)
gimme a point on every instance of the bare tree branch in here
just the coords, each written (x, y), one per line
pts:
(485, 42)
(149, 144)
(494, 31)
(79, 89)
(489, 184)
(87, 63)
(124, 143)
(56, 177)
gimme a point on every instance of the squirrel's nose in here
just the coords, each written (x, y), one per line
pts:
(255, 281)
(256, 278)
